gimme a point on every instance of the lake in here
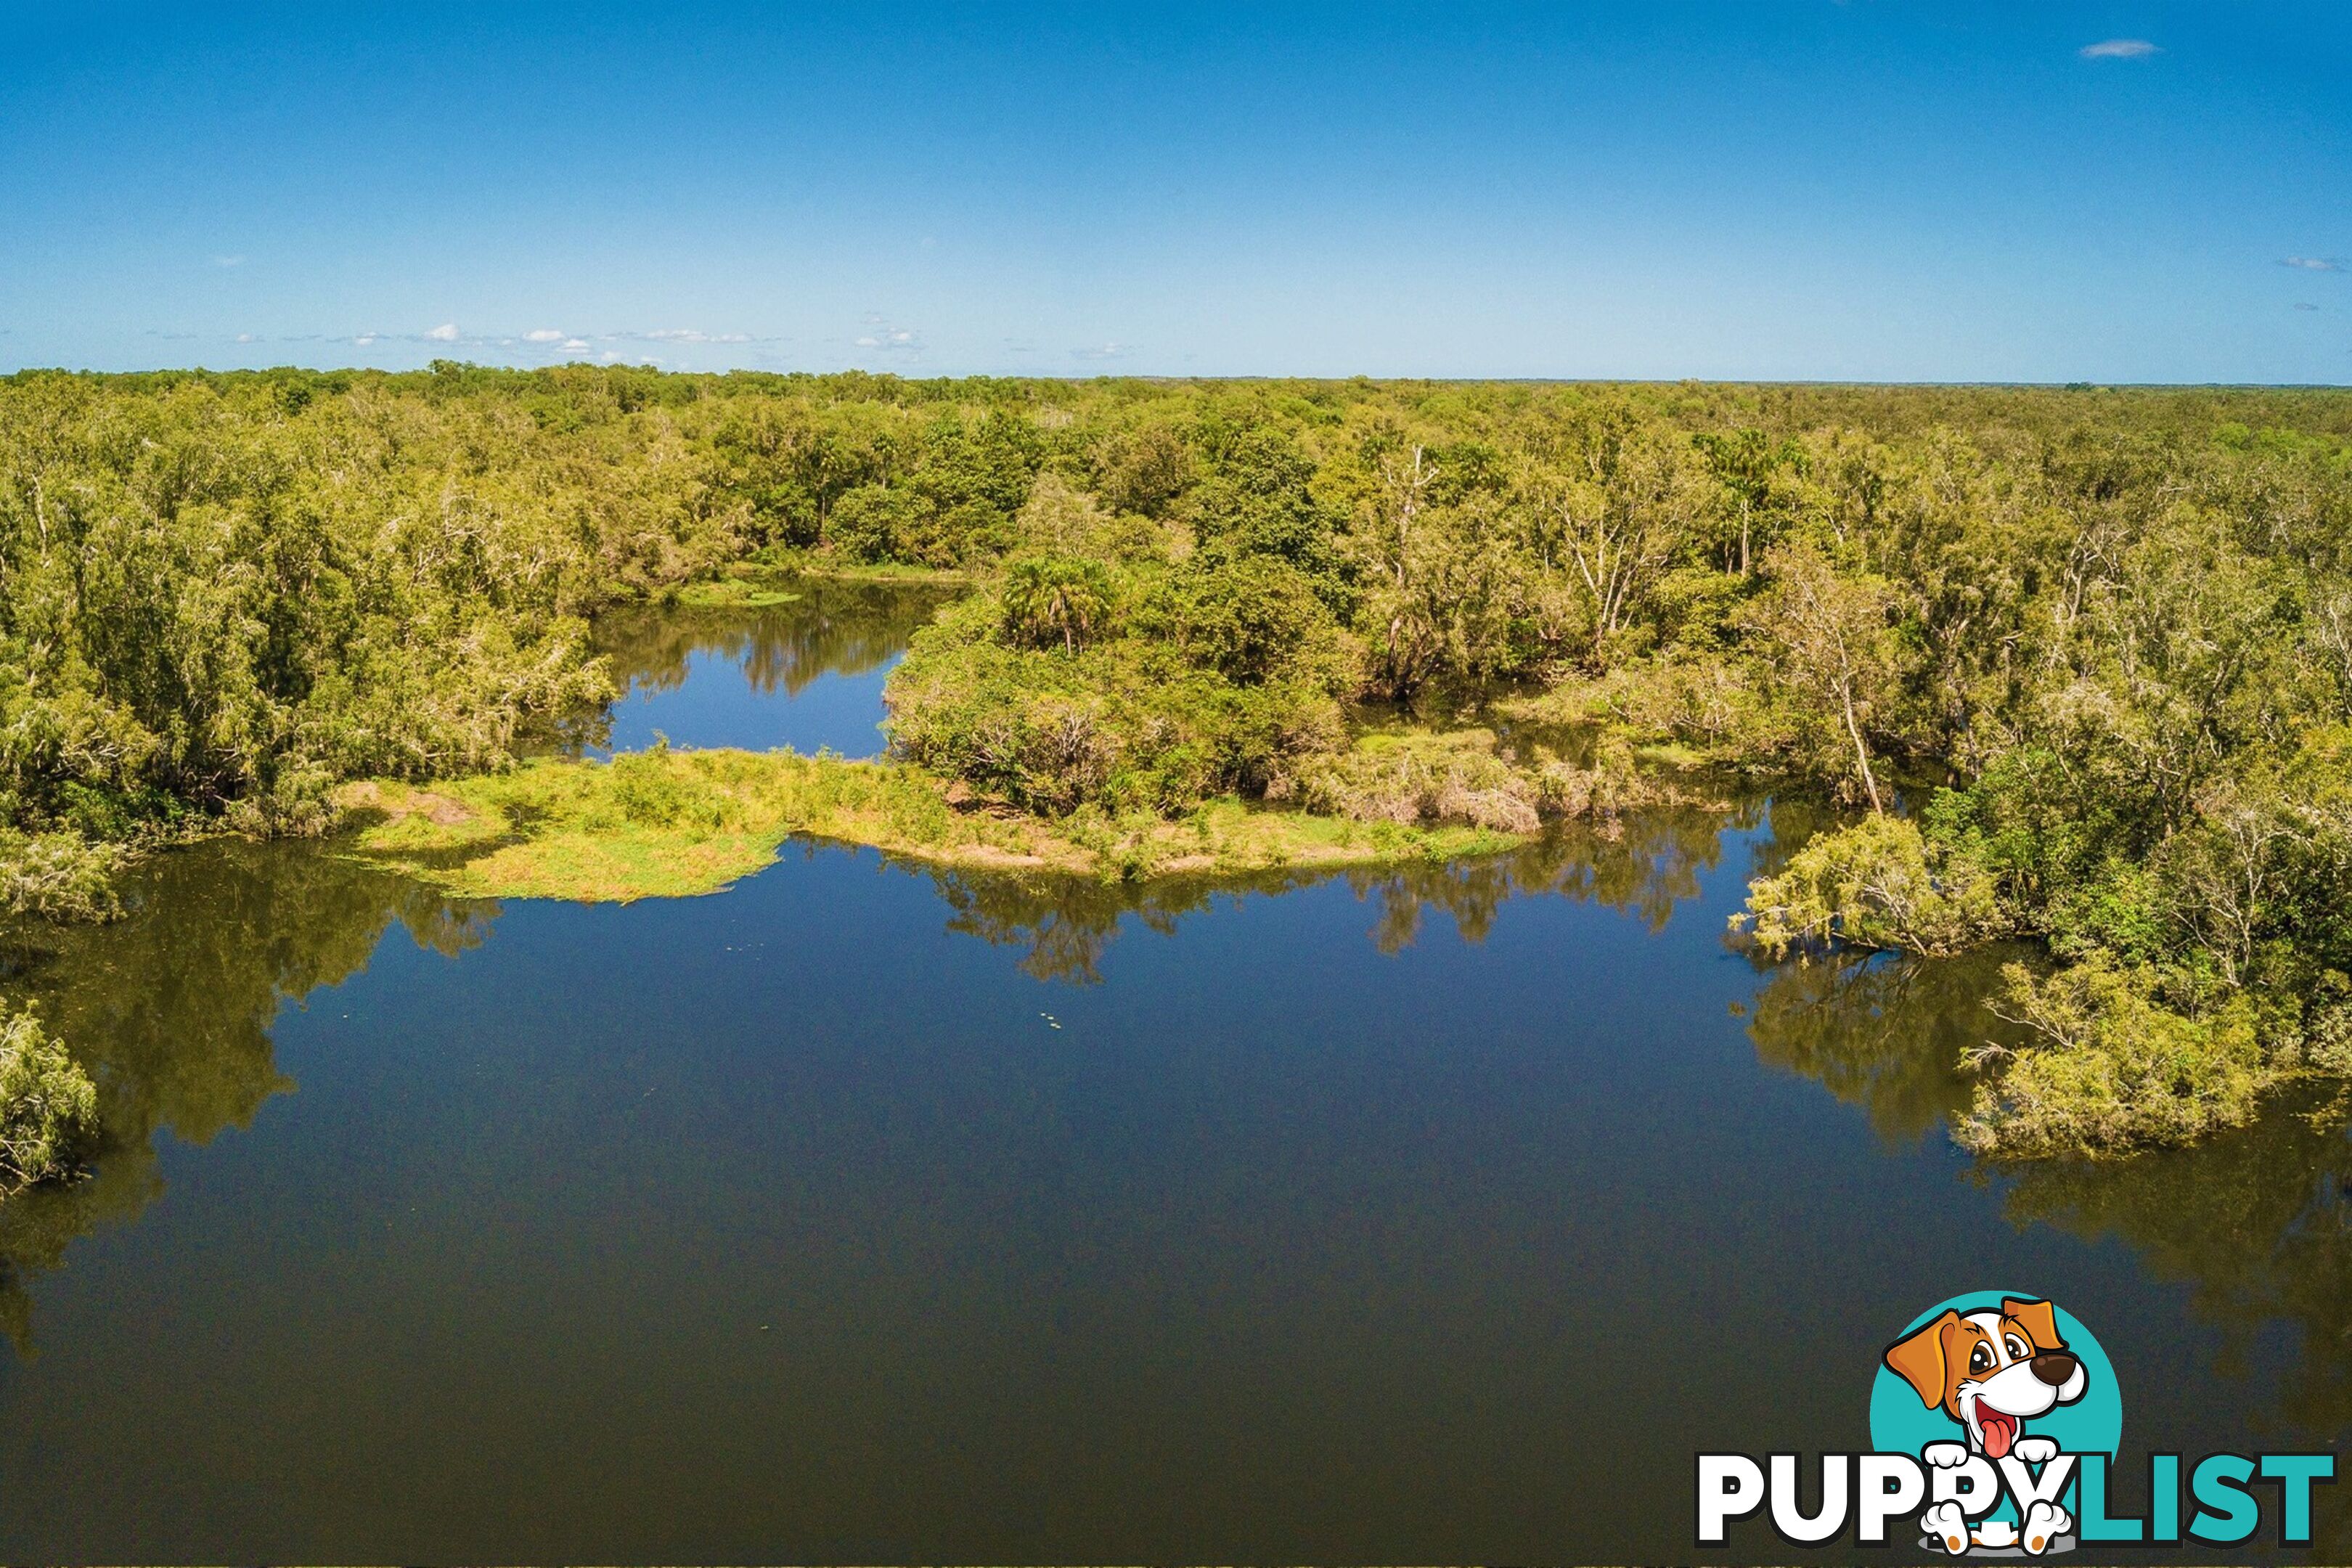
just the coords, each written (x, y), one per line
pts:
(869, 1212)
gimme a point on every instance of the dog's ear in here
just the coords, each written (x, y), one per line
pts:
(1918, 1358)
(2040, 1320)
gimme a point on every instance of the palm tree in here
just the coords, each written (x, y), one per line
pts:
(1051, 597)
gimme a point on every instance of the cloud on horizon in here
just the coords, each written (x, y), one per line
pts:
(2119, 50)
(890, 339)
(686, 335)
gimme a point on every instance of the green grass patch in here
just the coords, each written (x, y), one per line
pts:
(672, 824)
(734, 594)
(833, 568)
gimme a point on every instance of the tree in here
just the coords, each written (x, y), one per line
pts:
(1067, 599)
(1747, 464)
(1828, 634)
(1612, 518)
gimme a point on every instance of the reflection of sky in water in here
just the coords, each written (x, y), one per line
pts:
(1433, 1213)
(719, 704)
(1319, 1228)
(807, 673)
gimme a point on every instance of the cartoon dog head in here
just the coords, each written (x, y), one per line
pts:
(1990, 1371)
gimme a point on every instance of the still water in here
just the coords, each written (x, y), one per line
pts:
(868, 1213)
(807, 674)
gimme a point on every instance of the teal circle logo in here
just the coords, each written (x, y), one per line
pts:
(1991, 1371)
(1903, 1422)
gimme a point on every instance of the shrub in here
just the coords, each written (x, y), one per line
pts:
(1248, 619)
(2112, 1067)
(1124, 724)
(1875, 884)
(1440, 778)
(60, 875)
(48, 1108)
(875, 522)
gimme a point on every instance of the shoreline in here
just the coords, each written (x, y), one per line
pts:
(672, 823)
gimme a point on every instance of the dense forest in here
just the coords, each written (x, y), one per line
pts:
(2075, 664)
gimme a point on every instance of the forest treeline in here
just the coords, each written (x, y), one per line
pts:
(2077, 661)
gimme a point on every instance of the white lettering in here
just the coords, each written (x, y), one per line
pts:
(1971, 1483)
(1886, 1486)
(1730, 1486)
(1820, 1527)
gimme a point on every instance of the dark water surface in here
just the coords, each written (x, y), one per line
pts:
(806, 674)
(864, 1212)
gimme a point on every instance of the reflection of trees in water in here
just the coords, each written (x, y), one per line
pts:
(1882, 1032)
(1643, 865)
(2259, 1226)
(2258, 1222)
(1644, 868)
(169, 1010)
(832, 628)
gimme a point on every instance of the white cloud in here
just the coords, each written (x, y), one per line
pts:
(447, 332)
(365, 340)
(1106, 351)
(246, 338)
(882, 335)
(2119, 50)
(228, 261)
(543, 336)
(687, 335)
(2312, 263)
(2302, 306)
(575, 345)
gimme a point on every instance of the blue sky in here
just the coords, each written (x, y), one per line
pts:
(1813, 190)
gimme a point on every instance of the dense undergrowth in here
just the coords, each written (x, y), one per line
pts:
(2078, 661)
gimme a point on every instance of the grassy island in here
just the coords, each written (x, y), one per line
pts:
(669, 824)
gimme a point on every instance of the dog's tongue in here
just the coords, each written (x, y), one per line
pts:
(1999, 1432)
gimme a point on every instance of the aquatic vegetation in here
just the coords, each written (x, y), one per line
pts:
(49, 1106)
(2109, 1066)
(1875, 884)
(733, 594)
(669, 824)
(60, 875)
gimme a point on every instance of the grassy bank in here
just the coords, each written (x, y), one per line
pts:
(773, 579)
(669, 824)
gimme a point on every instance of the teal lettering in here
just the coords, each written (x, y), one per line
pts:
(2295, 1473)
(2219, 1484)
(2092, 1522)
